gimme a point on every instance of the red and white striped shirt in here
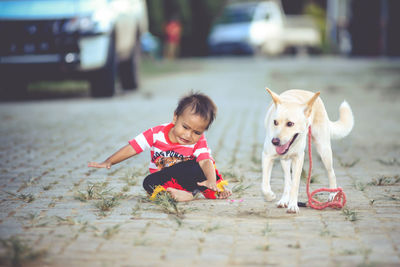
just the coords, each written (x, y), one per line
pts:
(164, 153)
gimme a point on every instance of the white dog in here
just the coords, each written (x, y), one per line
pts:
(286, 122)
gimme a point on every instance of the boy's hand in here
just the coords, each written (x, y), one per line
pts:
(210, 185)
(100, 165)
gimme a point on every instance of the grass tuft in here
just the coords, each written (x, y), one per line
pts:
(168, 204)
(350, 215)
(385, 180)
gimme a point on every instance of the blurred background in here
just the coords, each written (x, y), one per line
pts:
(345, 27)
(101, 42)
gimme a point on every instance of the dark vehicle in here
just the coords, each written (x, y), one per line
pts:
(93, 40)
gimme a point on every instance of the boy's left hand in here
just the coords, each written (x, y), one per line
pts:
(210, 185)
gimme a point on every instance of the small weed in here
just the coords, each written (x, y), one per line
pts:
(18, 252)
(394, 197)
(110, 232)
(126, 188)
(140, 242)
(265, 247)
(211, 228)
(348, 252)
(66, 221)
(93, 191)
(130, 180)
(313, 179)
(359, 185)
(350, 215)
(135, 210)
(349, 164)
(28, 198)
(385, 180)
(239, 189)
(325, 232)
(296, 246)
(168, 204)
(267, 229)
(390, 162)
(49, 186)
(107, 203)
(232, 175)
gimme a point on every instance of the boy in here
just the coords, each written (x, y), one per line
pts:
(181, 162)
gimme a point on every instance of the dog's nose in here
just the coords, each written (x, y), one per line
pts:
(276, 141)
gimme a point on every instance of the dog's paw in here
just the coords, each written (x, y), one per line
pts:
(292, 208)
(283, 202)
(269, 195)
(332, 196)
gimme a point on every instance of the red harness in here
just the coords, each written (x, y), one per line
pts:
(338, 201)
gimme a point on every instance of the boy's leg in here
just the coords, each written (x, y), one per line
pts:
(153, 180)
(185, 175)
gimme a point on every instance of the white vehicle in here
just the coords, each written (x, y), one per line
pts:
(94, 40)
(257, 27)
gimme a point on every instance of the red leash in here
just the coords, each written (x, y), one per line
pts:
(338, 201)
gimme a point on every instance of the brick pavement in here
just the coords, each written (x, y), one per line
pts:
(45, 146)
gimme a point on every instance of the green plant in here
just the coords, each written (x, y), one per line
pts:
(350, 215)
(267, 229)
(264, 247)
(348, 164)
(209, 229)
(385, 180)
(93, 191)
(239, 189)
(109, 232)
(168, 204)
(28, 198)
(107, 203)
(359, 185)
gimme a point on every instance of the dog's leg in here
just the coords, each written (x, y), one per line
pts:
(324, 150)
(283, 203)
(267, 163)
(297, 167)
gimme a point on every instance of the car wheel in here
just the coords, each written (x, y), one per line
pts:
(102, 82)
(128, 70)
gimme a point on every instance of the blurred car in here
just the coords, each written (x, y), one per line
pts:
(246, 27)
(261, 28)
(71, 39)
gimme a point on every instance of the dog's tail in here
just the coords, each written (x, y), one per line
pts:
(344, 125)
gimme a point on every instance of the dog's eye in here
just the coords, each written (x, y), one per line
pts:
(276, 123)
(289, 124)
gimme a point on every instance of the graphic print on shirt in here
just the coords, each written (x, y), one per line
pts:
(162, 162)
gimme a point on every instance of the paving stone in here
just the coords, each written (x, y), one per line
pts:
(45, 147)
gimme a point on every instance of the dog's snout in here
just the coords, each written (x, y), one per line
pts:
(276, 141)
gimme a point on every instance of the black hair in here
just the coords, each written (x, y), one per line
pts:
(200, 104)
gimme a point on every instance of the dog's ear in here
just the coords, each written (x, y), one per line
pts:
(274, 97)
(310, 104)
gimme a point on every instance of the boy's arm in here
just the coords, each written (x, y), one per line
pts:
(121, 155)
(209, 171)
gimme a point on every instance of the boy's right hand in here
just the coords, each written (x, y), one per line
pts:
(100, 165)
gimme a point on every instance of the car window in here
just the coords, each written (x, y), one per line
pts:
(237, 14)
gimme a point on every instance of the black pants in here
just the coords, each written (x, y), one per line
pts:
(187, 174)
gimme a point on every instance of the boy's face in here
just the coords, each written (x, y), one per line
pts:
(188, 128)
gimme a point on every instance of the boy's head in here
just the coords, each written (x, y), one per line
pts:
(199, 104)
(192, 117)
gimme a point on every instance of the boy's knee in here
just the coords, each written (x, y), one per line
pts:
(147, 185)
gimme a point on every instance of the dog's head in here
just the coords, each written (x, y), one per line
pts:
(288, 121)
